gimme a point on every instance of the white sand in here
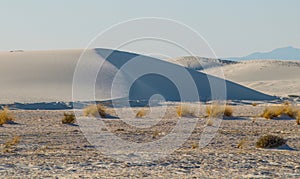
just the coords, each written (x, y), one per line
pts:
(47, 76)
(273, 77)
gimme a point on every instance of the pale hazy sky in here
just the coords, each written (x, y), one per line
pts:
(232, 27)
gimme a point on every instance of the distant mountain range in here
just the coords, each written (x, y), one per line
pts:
(286, 53)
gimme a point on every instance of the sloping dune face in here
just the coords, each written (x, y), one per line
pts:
(47, 76)
(137, 77)
(275, 77)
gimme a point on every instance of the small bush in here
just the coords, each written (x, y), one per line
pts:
(155, 134)
(5, 116)
(141, 113)
(210, 122)
(216, 110)
(241, 144)
(69, 118)
(185, 111)
(286, 103)
(195, 145)
(272, 112)
(291, 111)
(270, 141)
(95, 110)
(254, 104)
(12, 142)
(298, 118)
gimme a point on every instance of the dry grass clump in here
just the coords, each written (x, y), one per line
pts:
(141, 113)
(185, 111)
(217, 110)
(195, 145)
(298, 118)
(241, 144)
(155, 134)
(6, 116)
(69, 118)
(12, 142)
(254, 104)
(95, 110)
(210, 122)
(270, 141)
(278, 111)
(271, 112)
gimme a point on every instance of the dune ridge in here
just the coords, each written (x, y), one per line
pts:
(47, 76)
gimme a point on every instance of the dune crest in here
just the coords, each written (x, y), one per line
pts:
(47, 76)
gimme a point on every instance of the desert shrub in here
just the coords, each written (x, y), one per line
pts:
(195, 145)
(185, 111)
(241, 144)
(271, 112)
(277, 111)
(95, 110)
(298, 118)
(291, 111)
(210, 122)
(155, 134)
(69, 118)
(12, 142)
(5, 116)
(228, 111)
(286, 103)
(270, 141)
(254, 104)
(141, 113)
(217, 110)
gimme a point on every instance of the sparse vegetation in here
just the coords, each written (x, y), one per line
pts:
(195, 145)
(241, 144)
(298, 118)
(210, 122)
(69, 118)
(141, 113)
(185, 111)
(6, 116)
(272, 112)
(95, 110)
(12, 142)
(217, 110)
(254, 104)
(270, 141)
(155, 134)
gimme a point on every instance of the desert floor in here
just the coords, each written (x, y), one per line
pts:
(49, 148)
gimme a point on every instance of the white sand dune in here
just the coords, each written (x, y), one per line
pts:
(274, 77)
(37, 76)
(200, 63)
(47, 76)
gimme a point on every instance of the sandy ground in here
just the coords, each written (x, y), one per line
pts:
(49, 148)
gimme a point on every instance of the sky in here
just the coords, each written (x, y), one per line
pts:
(231, 27)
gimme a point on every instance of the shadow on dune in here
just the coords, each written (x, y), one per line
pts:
(141, 90)
(150, 84)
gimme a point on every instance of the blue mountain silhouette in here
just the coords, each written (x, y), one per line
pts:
(285, 53)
